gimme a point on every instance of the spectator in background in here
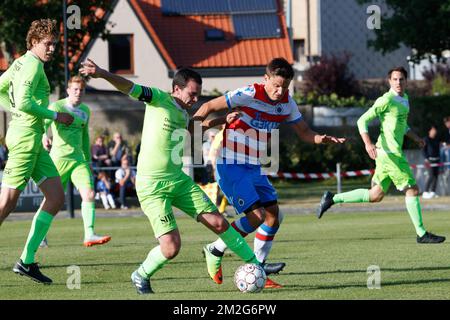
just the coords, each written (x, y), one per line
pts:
(137, 151)
(126, 178)
(445, 151)
(447, 130)
(214, 154)
(431, 152)
(118, 148)
(104, 190)
(100, 156)
(208, 172)
(3, 153)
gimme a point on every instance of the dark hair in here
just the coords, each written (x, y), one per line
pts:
(431, 126)
(447, 118)
(101, 174)
(280, 67)
(399, 69)
(182, 77)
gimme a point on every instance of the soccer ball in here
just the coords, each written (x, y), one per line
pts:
(250, 278)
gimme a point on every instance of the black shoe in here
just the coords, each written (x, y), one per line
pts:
(428, 237)
(325, 203)
(271, 268)
(31, 271)
(142, 285)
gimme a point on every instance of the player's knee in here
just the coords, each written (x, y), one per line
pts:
(55, 201)
(89, 196)
(218, 223)
(171, 250)
(256, 218)
(377, 197)
(5, 209)
(412, 192)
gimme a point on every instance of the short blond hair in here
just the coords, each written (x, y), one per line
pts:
(40, 29)
(77, 79)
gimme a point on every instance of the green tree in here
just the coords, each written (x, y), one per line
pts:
(16, 17)
(421, 25)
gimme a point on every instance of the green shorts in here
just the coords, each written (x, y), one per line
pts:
(158, 196)
(27, 159)
(392, 168)
(79, 172)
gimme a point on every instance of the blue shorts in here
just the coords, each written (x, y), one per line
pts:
(243, 185)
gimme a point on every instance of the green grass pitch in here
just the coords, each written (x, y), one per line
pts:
(326, 259)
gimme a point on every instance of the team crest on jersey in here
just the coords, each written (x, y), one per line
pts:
(81, 114)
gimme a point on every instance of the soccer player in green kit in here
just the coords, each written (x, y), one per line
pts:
(160, 181)
(71, 154)
(391, 165)
(27, 87)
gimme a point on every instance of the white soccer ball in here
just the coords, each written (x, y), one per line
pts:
(250, 278)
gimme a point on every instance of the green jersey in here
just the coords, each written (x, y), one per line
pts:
(28, 90)
(392, 111)
(70, 142)
(163, 134)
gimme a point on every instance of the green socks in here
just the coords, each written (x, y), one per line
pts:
(237, 244)
(155, 261)
(415, 212)
(39, 228)
(88, 214)
(357, 195)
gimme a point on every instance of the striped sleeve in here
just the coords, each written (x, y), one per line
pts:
(295, 115)
(240, 97)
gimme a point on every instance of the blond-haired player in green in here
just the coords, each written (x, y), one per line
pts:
(391, 165)
(24, 91)
(70, 151)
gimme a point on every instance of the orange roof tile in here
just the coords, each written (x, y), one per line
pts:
(3, 62)
(181, 40)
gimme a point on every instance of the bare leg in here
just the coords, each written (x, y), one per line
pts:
(8, 202)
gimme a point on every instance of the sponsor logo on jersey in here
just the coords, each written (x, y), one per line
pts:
(167, 218)
(260, 123)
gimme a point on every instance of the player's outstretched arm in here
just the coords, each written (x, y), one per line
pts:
(90, 69)
(229, 118)
(305, 133)
(214, 105)
(413, 136)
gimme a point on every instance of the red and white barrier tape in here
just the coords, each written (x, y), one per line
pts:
(356, 173)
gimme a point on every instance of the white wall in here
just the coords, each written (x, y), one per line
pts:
(343, 27)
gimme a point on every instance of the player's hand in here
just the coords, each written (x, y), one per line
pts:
(421, 143)
(90, 69)
(46, 142)
(331, 139)
(233, 116)
(371, 150)
(64, 118)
